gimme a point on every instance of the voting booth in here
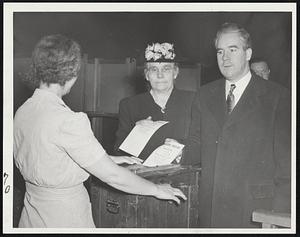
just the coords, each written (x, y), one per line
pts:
(115, 209)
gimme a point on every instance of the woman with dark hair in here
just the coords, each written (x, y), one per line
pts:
(55, 149)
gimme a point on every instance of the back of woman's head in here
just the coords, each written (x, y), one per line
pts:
(55, 59)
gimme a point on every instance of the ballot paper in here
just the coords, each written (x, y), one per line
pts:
(137, 139)
(164, 154)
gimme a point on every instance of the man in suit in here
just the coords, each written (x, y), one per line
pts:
(240, 134)
(260, 68)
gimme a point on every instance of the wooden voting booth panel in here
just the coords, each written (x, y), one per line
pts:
(115, 209)
(104, 126)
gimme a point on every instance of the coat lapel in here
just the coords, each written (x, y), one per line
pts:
(247, 103)
(217, 102)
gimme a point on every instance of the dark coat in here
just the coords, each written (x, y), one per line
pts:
(138, 107)
(246, 156)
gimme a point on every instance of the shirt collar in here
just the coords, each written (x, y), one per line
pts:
(40, 93)
(240, 84)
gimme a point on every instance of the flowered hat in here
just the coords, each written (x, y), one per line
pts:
(157, 52)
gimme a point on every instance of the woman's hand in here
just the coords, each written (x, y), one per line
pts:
(167, 192)
(145, 122)
(126, 160)
(126, 181)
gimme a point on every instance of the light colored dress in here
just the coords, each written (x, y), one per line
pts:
(52, 146)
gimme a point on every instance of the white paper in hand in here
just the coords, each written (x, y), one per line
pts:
(139, 136)
(164, 154)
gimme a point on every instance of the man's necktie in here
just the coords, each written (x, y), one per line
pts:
(230, 99)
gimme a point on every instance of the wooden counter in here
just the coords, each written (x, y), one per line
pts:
(116, 209)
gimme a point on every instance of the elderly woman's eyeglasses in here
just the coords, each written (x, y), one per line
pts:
(164, 69)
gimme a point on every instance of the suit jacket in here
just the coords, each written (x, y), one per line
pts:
(245, 156)
(138, 107)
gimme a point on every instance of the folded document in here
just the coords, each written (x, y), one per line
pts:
(137, 139)
(164, 154)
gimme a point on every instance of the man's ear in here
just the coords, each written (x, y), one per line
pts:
(248, 54)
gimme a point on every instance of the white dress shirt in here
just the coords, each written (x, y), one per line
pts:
(240, 87)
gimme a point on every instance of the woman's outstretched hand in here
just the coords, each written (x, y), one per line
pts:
(167, 192)
(126, 160)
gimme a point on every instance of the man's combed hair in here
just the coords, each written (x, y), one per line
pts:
(258, 60)
(235, 28)
(55, 59)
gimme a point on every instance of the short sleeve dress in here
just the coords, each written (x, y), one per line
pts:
(52, 146)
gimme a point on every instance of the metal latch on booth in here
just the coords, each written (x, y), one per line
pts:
(112, 206)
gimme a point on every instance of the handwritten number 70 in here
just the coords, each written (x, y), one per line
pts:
(7, 187)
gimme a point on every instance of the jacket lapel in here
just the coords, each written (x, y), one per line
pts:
(217, 102)
(247, 103)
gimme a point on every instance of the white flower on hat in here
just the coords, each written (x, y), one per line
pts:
(149, 54)
(170, 55)
(156, 56)
(157, 47)
(159, 51)
(167, 46)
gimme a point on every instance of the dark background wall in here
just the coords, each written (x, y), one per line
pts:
(112, 35)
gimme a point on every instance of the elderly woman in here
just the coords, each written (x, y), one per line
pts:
(163, 102)
(55, 148)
